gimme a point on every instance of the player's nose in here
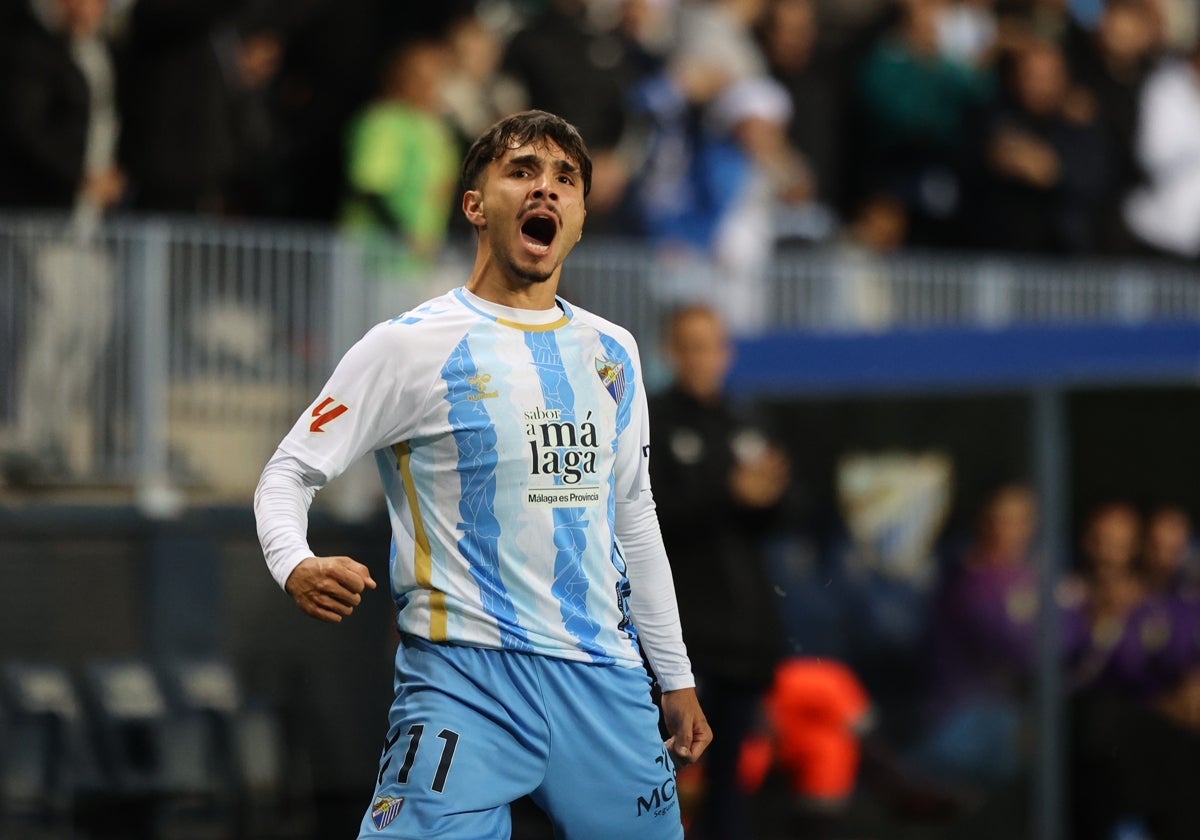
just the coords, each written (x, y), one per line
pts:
(543, 189)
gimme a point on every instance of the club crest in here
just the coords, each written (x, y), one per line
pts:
(612, 374)
(385, 810)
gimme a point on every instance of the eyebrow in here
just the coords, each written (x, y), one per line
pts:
(533, 160)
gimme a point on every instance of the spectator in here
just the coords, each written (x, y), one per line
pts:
(256, 184)
(720, 166)
(720, 33)
(1164, 212)
(648, 27)
(983, 646)
(403, 159)
(917, 106)
(1113, 65)
(476, 94)
(58, 133)
(58, 118)
(725, 481)
(401, 173)
(328, 70)
(747, 163)
(1136, 729)
(1045, 162)
(582, 73)
(1168, 557)
(799, 60)
(180, 88)
(1162, 645)
(1103, 596)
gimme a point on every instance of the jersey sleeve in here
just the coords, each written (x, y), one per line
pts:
(360, 409)
(652, 589)
(357, 411)
(281, 501)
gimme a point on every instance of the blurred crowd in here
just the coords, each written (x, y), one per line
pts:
(719, 127)
(893, 655)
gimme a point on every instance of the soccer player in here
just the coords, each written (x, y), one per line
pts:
(510, 431)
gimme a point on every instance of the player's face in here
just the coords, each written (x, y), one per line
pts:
(532, 210)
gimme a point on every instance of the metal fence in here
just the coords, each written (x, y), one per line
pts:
(169, 356)
(163, 354)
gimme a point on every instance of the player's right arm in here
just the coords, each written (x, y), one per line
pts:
(356, 412)
(327, 588)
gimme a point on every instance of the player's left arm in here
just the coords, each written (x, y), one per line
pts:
(655, 613)
(652, 602)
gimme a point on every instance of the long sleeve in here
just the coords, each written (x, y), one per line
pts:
(652, 595)
(281, 501)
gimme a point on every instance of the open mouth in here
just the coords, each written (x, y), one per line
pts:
(538, 232)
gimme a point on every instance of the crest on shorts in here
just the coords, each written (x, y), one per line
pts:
(612, 374)
(385, 810)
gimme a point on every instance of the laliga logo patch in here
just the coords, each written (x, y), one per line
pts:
(385, 810)
(612, 374)
(328, 410)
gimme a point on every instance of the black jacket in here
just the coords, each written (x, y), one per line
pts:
(44, 112)
(727, 605)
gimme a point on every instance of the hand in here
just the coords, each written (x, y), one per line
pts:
(105, 188)
(690, 735)
(761, 482)
(1025, 157)
(329, 588)
(700, 81)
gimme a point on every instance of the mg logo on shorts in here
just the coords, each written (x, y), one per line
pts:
(662, 798)
(660, 801)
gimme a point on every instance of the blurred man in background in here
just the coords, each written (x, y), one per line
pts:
(983, 648)
(401, 172)
(402, 163)
(720, 483)
(58, 134)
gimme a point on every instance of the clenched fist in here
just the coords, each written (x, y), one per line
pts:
(329, 588)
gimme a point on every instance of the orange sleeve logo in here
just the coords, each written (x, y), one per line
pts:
(325, 412)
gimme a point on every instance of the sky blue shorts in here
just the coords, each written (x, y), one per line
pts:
(472, 730)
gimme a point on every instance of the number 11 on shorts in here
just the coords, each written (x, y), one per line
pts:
(415, 732)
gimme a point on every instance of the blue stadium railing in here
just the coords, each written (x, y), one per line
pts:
(209, 338)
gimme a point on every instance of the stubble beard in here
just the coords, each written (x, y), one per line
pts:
(530, 275)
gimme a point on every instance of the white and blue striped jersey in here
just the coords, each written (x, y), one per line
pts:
(507, 441)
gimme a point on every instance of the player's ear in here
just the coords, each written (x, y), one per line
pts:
(472, 207)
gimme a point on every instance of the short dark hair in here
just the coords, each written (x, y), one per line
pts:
(522, 128)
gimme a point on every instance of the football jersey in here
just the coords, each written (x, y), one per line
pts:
(503, 447)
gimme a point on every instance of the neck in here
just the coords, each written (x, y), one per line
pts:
(495, 283)
(700, 393)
